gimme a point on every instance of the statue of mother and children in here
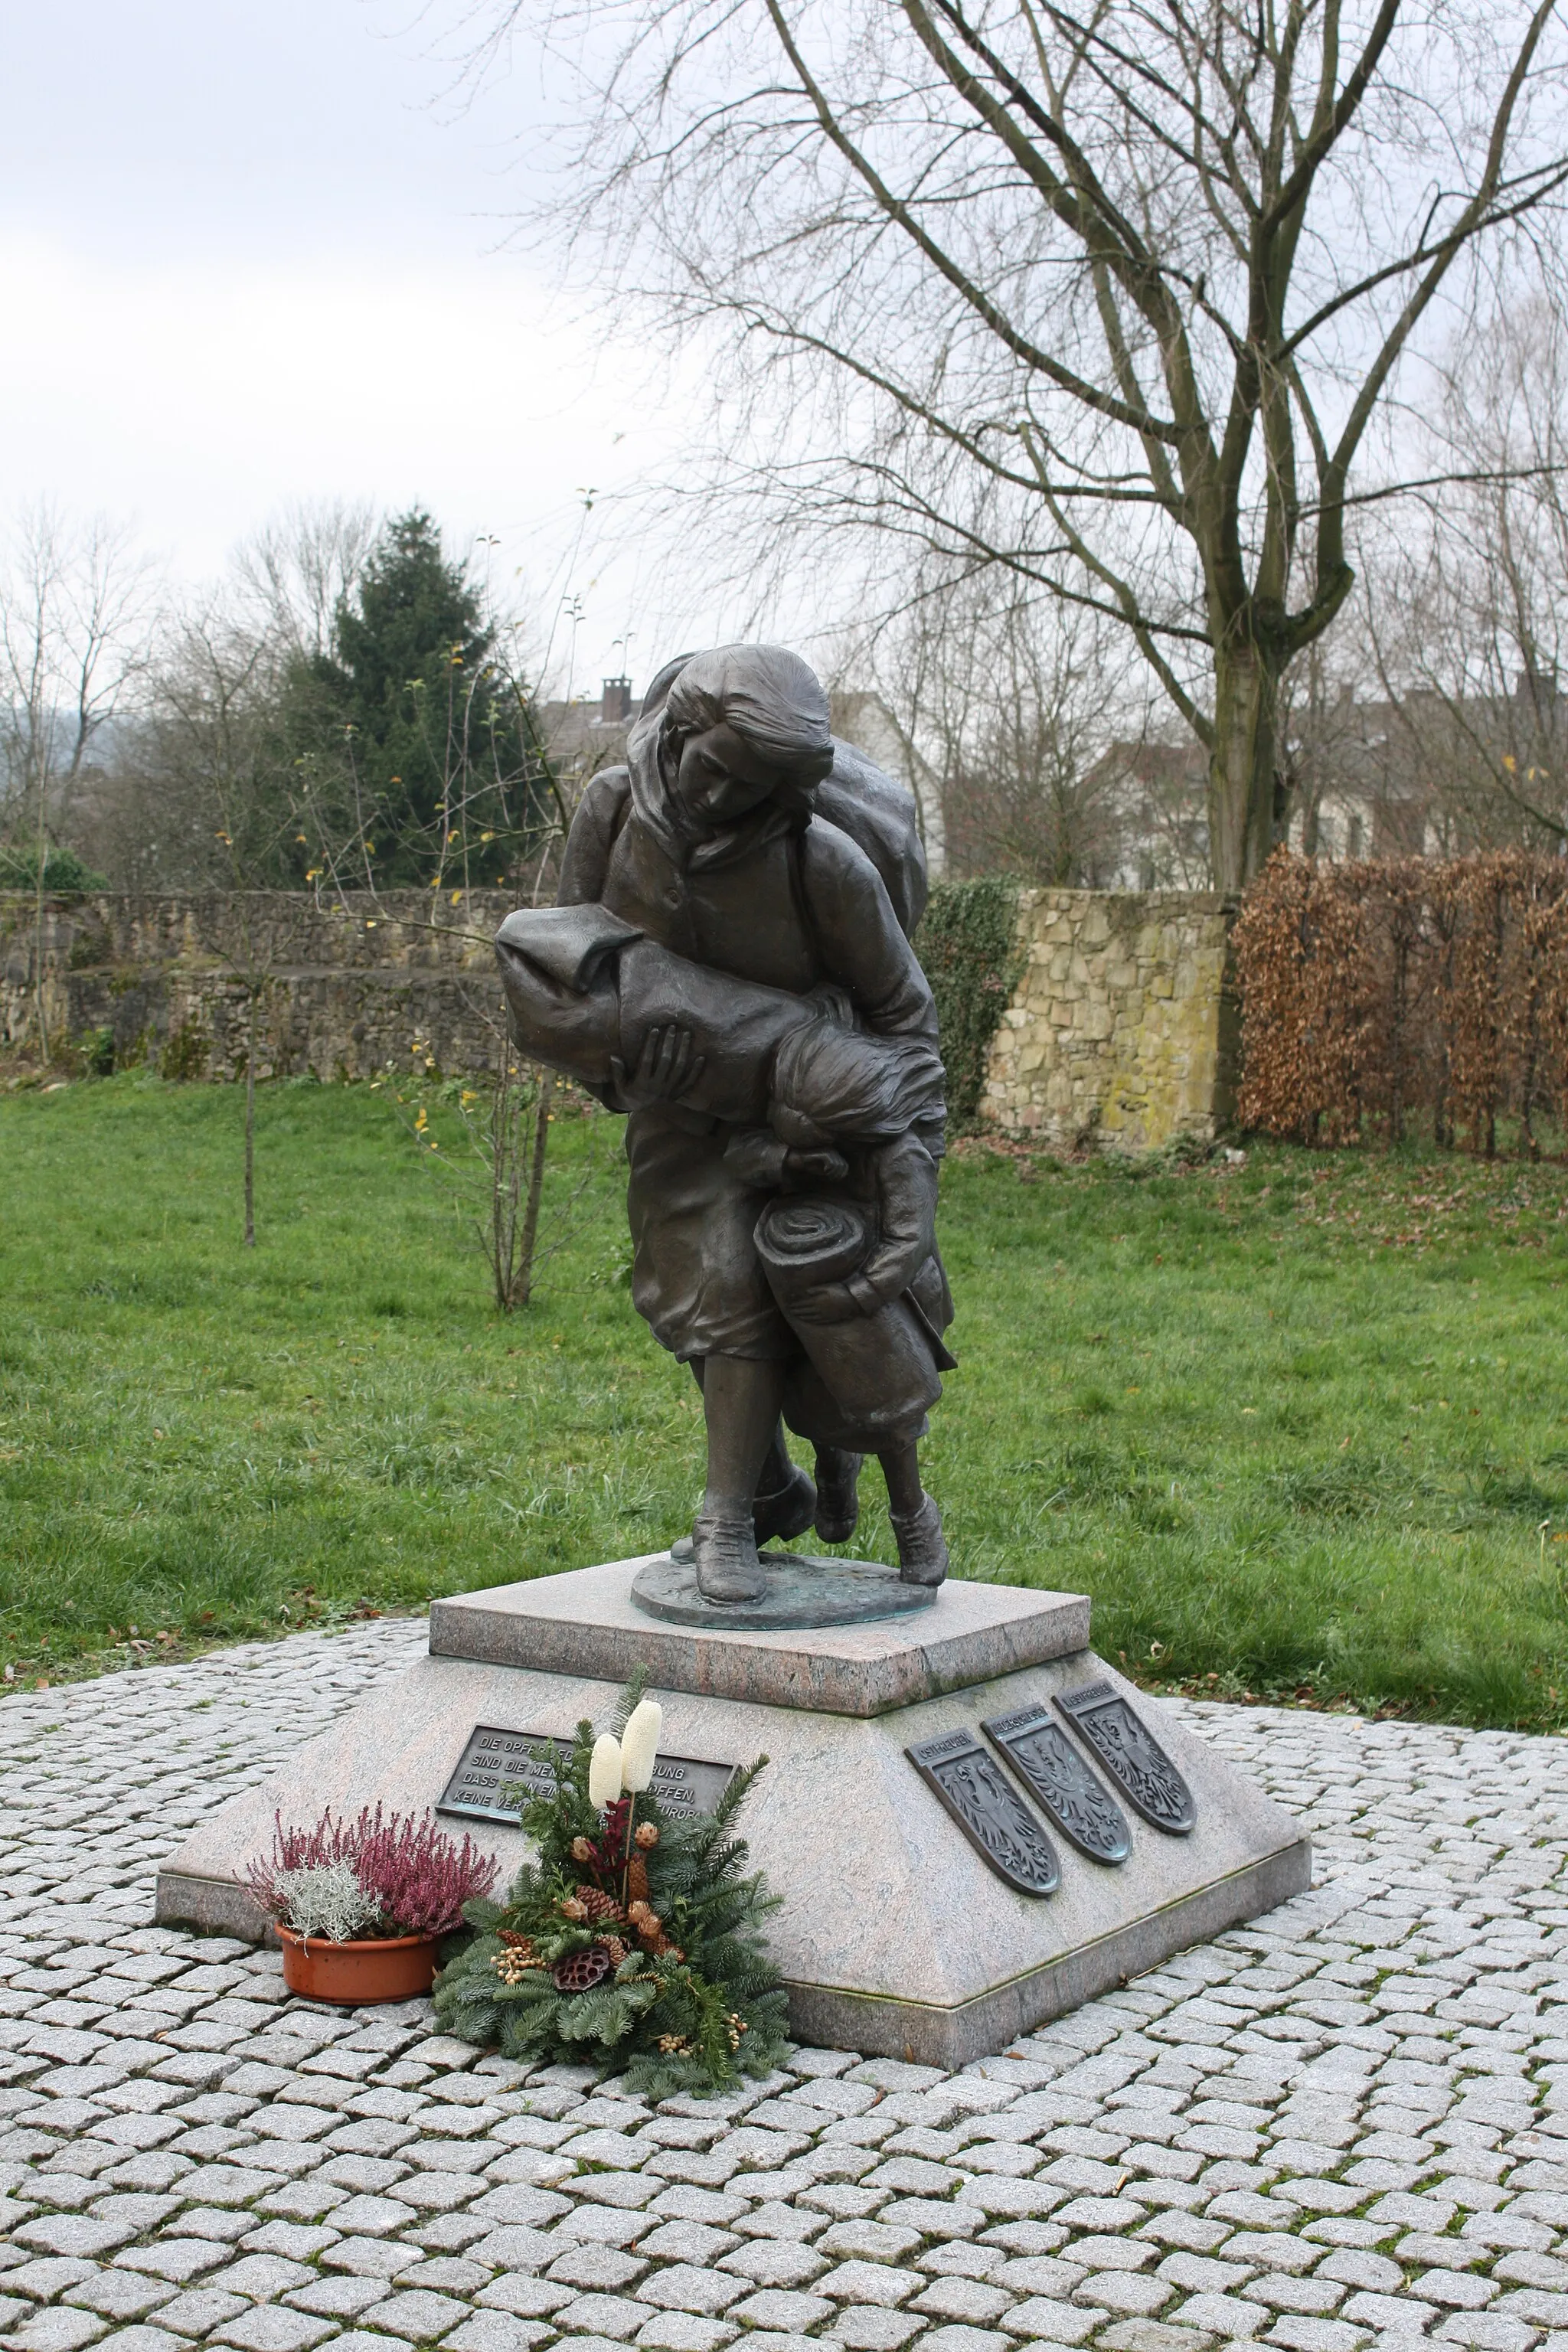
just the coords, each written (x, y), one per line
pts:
(729, 965)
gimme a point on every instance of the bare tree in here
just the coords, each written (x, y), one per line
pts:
(1324, 747)
(1108, 297)
(1015, 700)
(295, 571)
(211, 752)
(214, 686)
(1471, 630)
(78, 607)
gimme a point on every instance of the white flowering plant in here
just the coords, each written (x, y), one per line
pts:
(325, 1899)
(637, 1934)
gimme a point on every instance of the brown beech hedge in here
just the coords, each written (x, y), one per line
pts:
(1405, 995)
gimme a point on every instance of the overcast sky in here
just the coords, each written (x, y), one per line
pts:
(246, 260)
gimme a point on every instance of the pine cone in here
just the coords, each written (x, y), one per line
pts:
(648, 1833)
(616, 1950)
(649, 1930)
(573, 1907)
(599, 1907)
(580, 1971)
(637, 1878)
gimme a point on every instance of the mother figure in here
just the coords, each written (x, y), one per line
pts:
(740, 838)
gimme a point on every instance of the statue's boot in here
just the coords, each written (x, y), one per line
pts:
(922, 1547)
(724, 1551)
(785, 1510)
(837, 1496)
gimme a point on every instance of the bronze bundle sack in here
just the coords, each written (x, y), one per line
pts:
(868, 1379)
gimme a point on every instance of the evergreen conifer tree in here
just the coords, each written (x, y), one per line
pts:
(420, 742)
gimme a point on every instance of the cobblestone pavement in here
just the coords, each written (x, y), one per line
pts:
(1338, 2126)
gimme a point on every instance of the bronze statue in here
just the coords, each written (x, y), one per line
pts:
(729, 963)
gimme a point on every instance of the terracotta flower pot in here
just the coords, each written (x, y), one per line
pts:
(387, 1968)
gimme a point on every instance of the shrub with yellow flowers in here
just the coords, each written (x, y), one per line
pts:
(636, 1936)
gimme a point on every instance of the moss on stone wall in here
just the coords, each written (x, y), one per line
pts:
(968, 944)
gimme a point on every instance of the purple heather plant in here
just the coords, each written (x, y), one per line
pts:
(416, 1876)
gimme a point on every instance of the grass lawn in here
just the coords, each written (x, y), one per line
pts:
(1300, 1427)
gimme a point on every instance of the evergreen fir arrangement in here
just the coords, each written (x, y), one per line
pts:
(637, 1934)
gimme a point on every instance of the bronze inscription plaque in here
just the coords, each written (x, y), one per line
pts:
(499, 1771)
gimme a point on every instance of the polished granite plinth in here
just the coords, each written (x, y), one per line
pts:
(897, 1935)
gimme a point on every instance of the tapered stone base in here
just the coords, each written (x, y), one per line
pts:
(896, 1935)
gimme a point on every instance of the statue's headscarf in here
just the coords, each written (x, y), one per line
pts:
(775, 703)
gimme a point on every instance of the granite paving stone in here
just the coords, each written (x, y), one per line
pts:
(119, 2294)
(615, 2315)
(270, 2327)
(781, 2311)
(201, 2309)
(771, 2262)
(1229, 2316)
(1342, 2126)
(961, 2338)
(499, 2331)
(1054, 2323)
(969, 2300)
(596, 2268)
(874, 2327)
(58, 2330)
(683, 2286)
(686, 2331)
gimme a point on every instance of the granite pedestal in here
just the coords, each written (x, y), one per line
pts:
(896, 1935)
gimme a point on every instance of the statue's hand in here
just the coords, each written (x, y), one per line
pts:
(666, 1066)
(830, 1166)
(757, 1157)
(831, 1302)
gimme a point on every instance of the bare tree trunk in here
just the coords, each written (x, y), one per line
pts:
(250, 1126)
(39, 918)
(1397, 1038)
(535, 1188)
(1241, 765)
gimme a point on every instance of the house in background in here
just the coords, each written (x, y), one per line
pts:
(1427, 775)
(1154, 798)
(582, 737)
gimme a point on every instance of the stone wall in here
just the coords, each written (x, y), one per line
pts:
(1122, 1032)
(341, 991)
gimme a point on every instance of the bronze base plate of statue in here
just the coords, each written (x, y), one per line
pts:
(803, 1591)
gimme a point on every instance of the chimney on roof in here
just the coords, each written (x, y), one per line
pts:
(615, 704)
(1537, 686)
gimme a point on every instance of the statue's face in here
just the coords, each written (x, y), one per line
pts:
(720, 778)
